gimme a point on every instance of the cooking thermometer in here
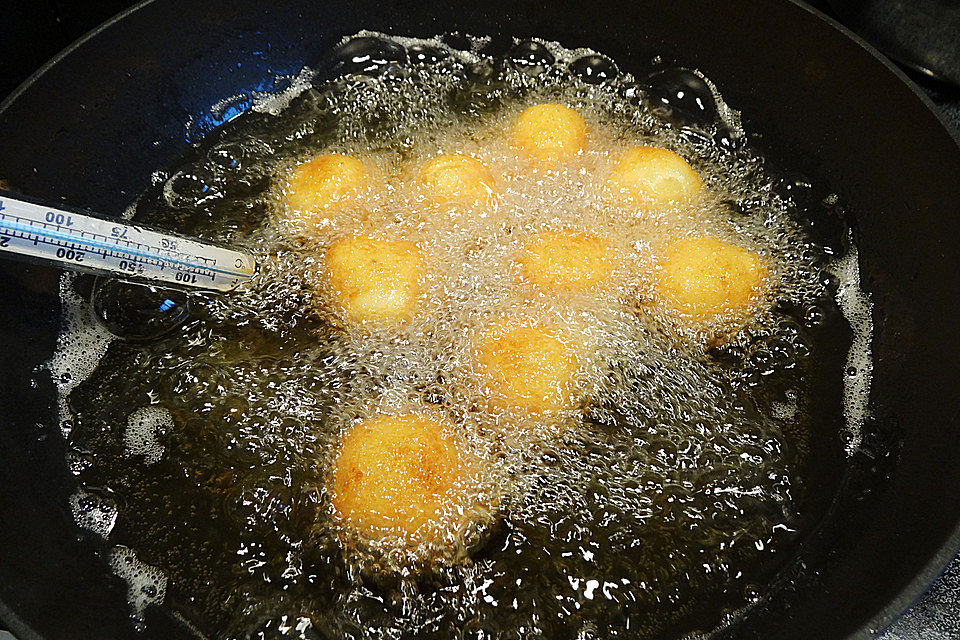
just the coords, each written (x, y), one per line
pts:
(86, 242)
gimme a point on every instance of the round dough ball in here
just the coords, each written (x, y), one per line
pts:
(550, 133)
(653, 174)
(396, 475)
(567, 259)
(375, 280)
(528, 367)
(324, 182)
(453, 177)
(704, 277)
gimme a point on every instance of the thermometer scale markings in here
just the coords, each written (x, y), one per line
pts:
(87, 242)
(106, 247)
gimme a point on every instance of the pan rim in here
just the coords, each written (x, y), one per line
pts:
(63, 53)
(884, 60)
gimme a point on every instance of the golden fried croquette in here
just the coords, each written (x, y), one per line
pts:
(528, 367)
(550, 133)
(653, 174)
(456, 177)
(704, 277)
(375, 280)
(566, 259)
(324, 182)
(396, 475)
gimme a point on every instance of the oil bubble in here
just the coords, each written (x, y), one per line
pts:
(426, 54)
(191, 188)
(531, 57)
(138, 312)
(813, 316)
(681, 97)
(227, 156)
(727, 139)
(594, 69)
(367, 55)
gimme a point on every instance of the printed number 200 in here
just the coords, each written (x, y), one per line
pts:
(70, 254)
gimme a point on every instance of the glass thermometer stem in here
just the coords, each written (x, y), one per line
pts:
(82, 241)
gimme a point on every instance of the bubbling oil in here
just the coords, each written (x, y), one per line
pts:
(653, 504)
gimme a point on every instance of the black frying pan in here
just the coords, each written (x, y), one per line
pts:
(89, 129)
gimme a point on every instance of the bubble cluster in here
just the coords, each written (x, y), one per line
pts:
(656, 487)
(80, 346)
(857, 308)
(146, 585)
(144, 427)
(94, 511)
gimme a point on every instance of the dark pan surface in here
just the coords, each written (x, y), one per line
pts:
(89, 129)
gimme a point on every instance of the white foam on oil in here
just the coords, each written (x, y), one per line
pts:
(141, 436)
(80, 347)
(93, 512)
(857, 308)
(275, 102)
(146, 584)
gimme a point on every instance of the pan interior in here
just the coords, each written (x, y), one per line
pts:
(661, 509)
